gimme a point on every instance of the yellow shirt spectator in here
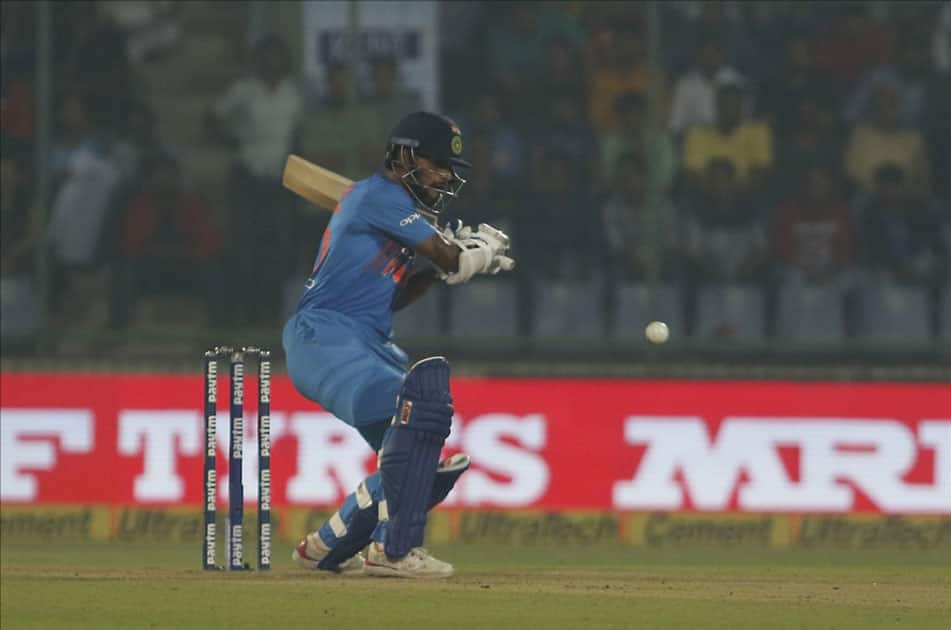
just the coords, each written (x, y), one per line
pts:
(608, 83)
(870, 147)
(748, 146)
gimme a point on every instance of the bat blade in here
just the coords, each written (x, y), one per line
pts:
(318, 185)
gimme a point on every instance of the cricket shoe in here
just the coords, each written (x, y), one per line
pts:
(312, 550)
(416, 564)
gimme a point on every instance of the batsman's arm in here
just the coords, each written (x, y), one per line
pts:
(416, 286)
(483, 251)
(441, 252)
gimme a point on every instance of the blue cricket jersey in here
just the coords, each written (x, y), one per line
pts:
(366, 253)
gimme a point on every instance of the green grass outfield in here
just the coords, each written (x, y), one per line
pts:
(104, 586)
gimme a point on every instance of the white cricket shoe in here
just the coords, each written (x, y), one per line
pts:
(416, 564)
(312, 550)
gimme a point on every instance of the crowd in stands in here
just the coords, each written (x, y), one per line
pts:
(760, 144)
(754, 144)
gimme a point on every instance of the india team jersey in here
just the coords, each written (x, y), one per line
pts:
(366, 253)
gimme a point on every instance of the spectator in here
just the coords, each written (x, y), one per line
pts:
(902, 232)
(18, 310)
(778, 30)
(924, 97)
(692, 21)
(168, 244)
(138, 137)
(258, 116)
(724, 233)
(621, 67)
(86, 179)
(564, 69)
(15, 206)
(554, 245)
(520, 32)
(910, 77)
(499, 158)
(814, 235)
(515, 53)
(17, 57)
(635, 135)
(941, 40)
(724, 238)
(746, 143)
(882, 140)
(694, 95)
(850, 44)
(797, 81)
(639, 228)
(152, 27)
(341, 135)
(566, 132)
(96, 60)
(812, 135)
(389, 97)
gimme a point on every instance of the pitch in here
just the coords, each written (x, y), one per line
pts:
(119, 585)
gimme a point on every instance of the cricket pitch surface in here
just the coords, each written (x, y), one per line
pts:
(136, 585)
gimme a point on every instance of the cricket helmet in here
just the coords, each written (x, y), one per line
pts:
(431, 136)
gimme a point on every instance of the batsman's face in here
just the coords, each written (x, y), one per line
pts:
(432, 175)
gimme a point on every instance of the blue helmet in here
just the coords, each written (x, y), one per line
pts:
(433, 136)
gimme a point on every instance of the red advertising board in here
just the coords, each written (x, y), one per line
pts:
(635, 445)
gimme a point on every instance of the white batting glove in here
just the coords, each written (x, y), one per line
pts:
(495, 235)
(500, 261)
(459, 231)
(483, 251)
(476, 257)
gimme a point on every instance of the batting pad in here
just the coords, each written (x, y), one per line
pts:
(411, 450)
(447, 474)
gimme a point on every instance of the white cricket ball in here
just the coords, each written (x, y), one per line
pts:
(657, 332)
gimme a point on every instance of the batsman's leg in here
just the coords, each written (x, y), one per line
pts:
(408, 463)
(336, 545)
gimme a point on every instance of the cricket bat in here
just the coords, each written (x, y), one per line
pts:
(318, 185)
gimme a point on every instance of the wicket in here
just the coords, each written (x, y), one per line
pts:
(235, 538)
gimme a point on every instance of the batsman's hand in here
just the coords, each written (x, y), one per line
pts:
(457, 231)
(484, 250)
(501, 261)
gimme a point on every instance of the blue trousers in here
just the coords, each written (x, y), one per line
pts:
(335, 363)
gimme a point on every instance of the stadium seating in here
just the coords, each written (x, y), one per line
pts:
(569, 310)
(889, 313)
(635, 306)
(733, 311)
(483, 308)
(810, 314)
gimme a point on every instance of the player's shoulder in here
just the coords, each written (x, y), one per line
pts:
(381, 194)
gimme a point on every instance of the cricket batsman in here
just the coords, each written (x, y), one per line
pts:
(340, 353)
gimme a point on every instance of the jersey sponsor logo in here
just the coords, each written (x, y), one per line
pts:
(410, 219)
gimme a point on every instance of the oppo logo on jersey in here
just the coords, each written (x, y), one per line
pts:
(410, 219)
